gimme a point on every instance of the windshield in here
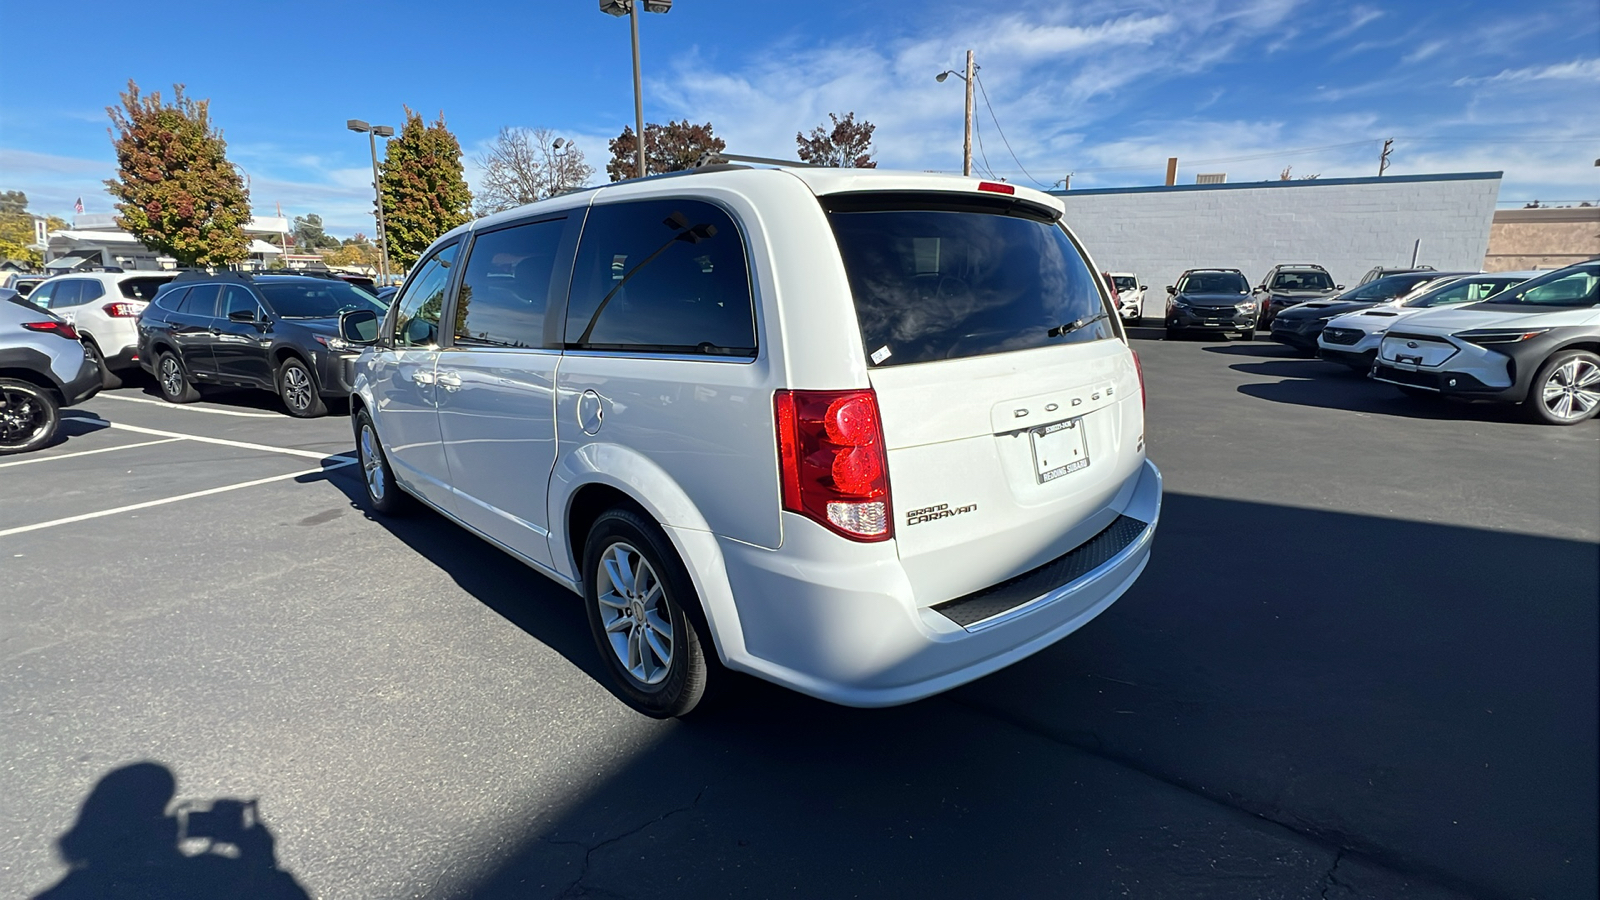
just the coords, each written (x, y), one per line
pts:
(1124, 283)
(1464, 290)
(316, 299)
(1214, 283)
(1302, 281)
(1572, 286)
(932, 283)
(1388, 288)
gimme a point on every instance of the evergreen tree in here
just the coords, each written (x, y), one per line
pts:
(424, 193)
(176, 190)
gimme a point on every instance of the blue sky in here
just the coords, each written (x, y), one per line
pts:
(1105, 91)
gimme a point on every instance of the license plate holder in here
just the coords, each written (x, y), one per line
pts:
(1059, 449)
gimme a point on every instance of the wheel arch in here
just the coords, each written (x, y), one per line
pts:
(36, 379)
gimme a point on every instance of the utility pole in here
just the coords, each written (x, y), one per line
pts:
(966, 142)
(1383, 161)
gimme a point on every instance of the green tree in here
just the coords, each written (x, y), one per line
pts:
(16, 228)
(13, 202)
(672, 147)
(424, 193)
(847, 144)
(176, 190)
(308, 234)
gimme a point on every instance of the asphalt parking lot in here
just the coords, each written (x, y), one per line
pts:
(1362, 663)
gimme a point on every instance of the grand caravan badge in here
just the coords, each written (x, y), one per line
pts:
(942, 511)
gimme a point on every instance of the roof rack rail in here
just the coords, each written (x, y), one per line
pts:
(713, 157)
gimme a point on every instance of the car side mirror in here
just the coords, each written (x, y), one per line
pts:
(1144, 287)
(1338, 287)
(247, 316)
(1171, 289)
(359, 326)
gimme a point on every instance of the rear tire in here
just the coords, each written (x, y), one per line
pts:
(297, 388)
(638, 597)
(384, 494)
(29, 416)
(1566, 389)
(109, 381)
(172, 381)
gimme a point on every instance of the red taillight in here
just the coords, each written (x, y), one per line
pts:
(1139, 367)
(121, 310)
(996, 187)
(61, 328)
(832, 463)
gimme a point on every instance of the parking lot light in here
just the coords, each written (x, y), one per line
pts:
(374, 132)
(630, 8)
(966, 141)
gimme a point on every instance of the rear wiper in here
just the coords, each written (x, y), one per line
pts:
(1070, 327)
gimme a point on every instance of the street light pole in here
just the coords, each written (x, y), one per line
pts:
(373, 133)
(630, 8)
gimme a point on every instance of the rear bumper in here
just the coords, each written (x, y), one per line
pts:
(85, 384)
(850, 631)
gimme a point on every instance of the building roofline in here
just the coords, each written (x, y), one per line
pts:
(1299, 182)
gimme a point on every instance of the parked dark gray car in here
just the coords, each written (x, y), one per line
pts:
(1299, 326)
(1211, 300)
(1288, 284)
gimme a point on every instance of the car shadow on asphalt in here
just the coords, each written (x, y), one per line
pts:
(130, 840)
(1258, 349)
(240, 397)
(73, 426)
(1319, 383)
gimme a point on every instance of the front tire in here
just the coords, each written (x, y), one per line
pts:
(1566, 389)
(172, 382)
(637, 594)
(29, 416)
(383, 494)
(297, 388)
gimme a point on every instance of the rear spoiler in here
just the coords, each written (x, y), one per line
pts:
(940, 201)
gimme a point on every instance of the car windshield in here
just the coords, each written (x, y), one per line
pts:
(1302, 281)
(316, 299)
(1461, 290)
(1573, 286)
(1124, 283)
(1214, 283)
(1387, 288)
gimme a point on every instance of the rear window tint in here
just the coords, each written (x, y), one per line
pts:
(932, 284)
(142, 288)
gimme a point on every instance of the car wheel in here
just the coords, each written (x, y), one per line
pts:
(108, 379)
(298, 390)
(383, 494)
(638, 597)
(173, 383)
(29, 416)
(1566, 390)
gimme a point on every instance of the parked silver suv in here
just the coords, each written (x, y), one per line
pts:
(866, 434)
(43, 367)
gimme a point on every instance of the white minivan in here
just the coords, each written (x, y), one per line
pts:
(869, 435)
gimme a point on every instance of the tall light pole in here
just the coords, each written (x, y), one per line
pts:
(373, 133)
(966, 141)
(630, 8)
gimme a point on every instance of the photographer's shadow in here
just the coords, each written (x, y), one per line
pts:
(130, 844)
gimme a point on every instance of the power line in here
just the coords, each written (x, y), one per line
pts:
(978, 133)
(1002, 131)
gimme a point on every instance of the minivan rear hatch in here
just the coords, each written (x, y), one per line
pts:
(1009, 401)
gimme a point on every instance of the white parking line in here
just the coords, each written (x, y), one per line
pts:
(37, 459)
(244, 445)
(190, 496)
(204, 409)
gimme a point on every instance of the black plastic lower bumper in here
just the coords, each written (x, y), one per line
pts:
(1454, 383)
(1362, 361)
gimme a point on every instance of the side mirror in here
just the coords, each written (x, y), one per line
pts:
(359, 326)
(247, 316)
(1144, 287)
(1338, 287)
(1171, 289)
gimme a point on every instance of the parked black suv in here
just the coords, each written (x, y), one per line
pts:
(1215, 300)
(1287, 284)
(275, 332)
(1300, 327)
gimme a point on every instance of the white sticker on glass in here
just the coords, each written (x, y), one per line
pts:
(880, 354)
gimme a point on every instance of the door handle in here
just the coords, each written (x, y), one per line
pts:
(423, 377)
(451, 381)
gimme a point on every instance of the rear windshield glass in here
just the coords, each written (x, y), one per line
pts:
(1214, 283)
(316, 299)
(933, 284)
(143, 288)
(1302, 281)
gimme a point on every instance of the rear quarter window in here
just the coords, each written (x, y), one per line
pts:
(933, 284)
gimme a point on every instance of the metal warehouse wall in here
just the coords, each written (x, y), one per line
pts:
(1347, 225)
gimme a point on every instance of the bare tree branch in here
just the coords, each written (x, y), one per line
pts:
(524, 165)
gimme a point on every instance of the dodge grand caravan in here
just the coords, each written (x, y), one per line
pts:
(869, 435)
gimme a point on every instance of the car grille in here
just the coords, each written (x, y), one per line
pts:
(1063, 570)
(1341, 335)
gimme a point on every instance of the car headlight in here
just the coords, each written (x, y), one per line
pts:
(1246, 306)
(333, 343)
(1484, 337)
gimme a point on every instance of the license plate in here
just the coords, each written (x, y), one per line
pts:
(1059, 449)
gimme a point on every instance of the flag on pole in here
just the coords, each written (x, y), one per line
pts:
(78, 207)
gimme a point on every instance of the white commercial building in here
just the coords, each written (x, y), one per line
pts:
(95, 240)
(1346, 225)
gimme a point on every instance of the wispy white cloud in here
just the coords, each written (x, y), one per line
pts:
(1585, 70)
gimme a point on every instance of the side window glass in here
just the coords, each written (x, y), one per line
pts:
(237, 299)
(66, 294)
(506, 286)
(667, 276)
(92, 290)
(40, 296)
(172, 300)
(417, 311)
(201, 301)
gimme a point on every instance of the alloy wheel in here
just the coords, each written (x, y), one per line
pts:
(635, 613)
(21, 417)
(171, 377)
(372, 464)
(1572, 390)
(296, 387)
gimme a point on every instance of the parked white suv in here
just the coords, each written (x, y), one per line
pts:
(104, 307)
(1130, 295)
(869, 435)
(1353, 338)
